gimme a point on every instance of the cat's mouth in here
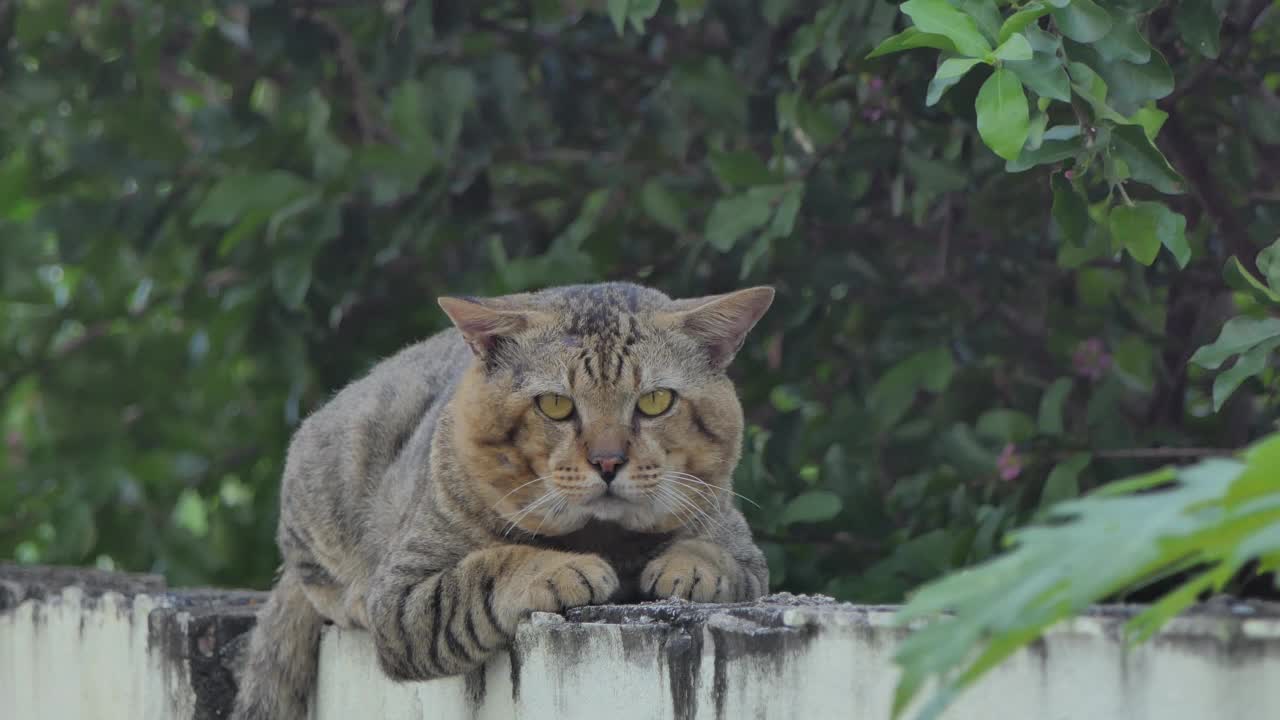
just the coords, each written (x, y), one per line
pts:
(609, 505)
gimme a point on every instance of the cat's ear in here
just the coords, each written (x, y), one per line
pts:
(484, 322)
(721, 322)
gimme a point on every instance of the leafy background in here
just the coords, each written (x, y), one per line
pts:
(996, 253)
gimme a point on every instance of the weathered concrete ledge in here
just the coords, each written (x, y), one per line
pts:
(85, 644)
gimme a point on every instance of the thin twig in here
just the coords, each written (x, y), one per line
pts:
(1161, 453)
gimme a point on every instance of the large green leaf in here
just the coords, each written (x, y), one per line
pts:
(910, 39)
(1200, 24)
(1087, 549)
(1143, 227)
(1238, 335)
(1249, 364)
(1069, 210)
(1124, 42)
(1082, 20)
(242, 194)
(939, 17)
(1019, 20)
(1146, 163)
(948, 74)
(811, 507)
(1002, 114)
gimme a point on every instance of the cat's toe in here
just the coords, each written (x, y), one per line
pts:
(686, 577)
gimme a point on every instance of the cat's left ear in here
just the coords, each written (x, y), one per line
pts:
(485, 321)
(721, 322)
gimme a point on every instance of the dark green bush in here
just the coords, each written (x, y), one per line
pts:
(214, 214)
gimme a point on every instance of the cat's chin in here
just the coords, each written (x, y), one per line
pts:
(612, 510)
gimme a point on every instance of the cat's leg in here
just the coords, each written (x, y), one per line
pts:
(719, 566)
(431, 622)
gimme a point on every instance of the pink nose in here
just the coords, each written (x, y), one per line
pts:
(608, 464)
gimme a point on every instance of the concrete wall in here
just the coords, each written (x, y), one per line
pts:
(77, 644)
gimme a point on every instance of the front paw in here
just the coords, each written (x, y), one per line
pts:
(689, 573)
(570, 581)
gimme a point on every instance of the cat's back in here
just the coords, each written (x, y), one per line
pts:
(341, 452)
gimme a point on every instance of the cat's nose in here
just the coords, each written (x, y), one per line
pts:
(608, 465)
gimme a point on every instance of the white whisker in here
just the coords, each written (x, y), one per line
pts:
(705, 521)
(559, 505)
(696, 479)
(524, 512)
(514, 489)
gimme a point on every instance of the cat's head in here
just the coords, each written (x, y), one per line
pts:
(600, 402)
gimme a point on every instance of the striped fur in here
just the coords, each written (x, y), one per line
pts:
(431, 503)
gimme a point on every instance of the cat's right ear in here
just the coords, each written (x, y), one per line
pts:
(483, 324)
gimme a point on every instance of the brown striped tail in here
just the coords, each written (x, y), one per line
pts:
(277, 680)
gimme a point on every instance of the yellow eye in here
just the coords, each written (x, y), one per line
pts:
(655, 403)
(556, 407)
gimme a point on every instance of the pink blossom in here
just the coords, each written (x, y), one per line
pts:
(876, 83)
(1009, 463)
(1091, 359)
(1070, 174)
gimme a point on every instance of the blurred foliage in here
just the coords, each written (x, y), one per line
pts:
(1198, 528)
(1206, 521)
(214, 214)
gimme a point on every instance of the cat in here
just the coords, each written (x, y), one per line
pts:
(558, 448)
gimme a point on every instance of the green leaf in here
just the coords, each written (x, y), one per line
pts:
(1050, 151)
(1093, 89)
(1082, 551)
(638, 11)
(662, 207)
(1249, 364)
(1004, 425)
(1151, 118)
(893, 393)
(1129, 85)
(811, 507)
(1069, 210)
(1082, 21)
(985, 15)
(939, 17)
(191, 514)
(1052, 405)
(733, 217)
(1134, 227)
(1269, 264)
(1238, 335)
(910, 39)
(1002, 114)
(1016, 22)
(1124, 42)
(949, 73)
(242, 194)
(1200, 25)
(1146, 163)
(1015, 48)
(1044, 74)
(1035, 133)
(291, 278)
(741, 168)
(1171, 227)
(1243, 281)
(1063, 482)
(618, 14)
(956, 67)
(784, 219)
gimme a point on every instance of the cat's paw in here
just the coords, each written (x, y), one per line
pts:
(686, 574)
(571, 581)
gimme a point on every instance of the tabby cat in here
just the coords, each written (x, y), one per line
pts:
(553, 449)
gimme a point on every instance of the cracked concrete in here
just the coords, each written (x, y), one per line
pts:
(87, 644)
